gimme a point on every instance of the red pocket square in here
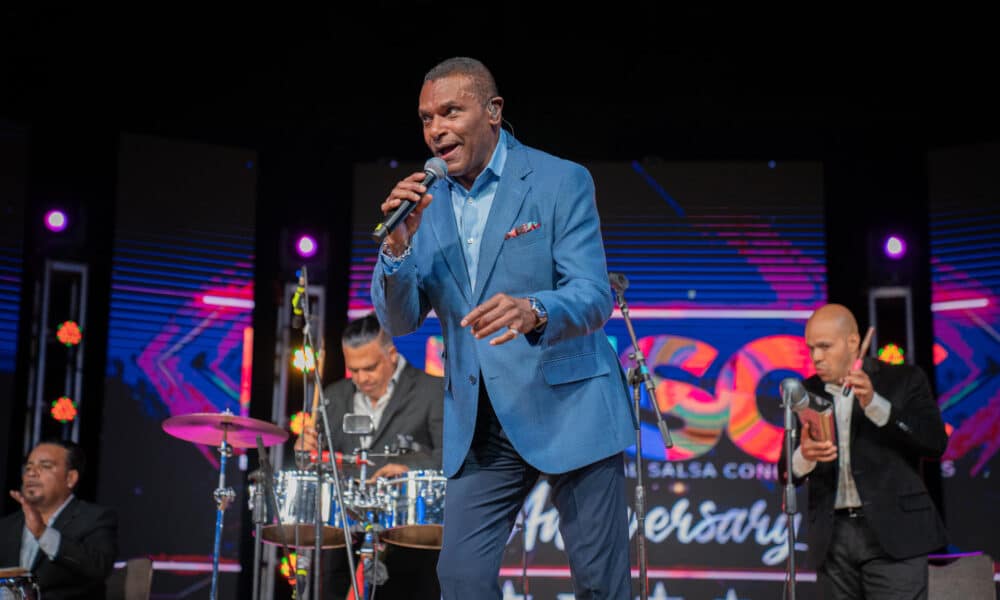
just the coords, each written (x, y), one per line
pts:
(521, 229)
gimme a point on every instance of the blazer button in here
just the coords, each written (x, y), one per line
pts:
(472, 379)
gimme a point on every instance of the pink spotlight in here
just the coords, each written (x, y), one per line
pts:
(895, 247)
(56, 221)
(306, 246)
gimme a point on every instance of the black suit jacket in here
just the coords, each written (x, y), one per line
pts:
(886, 464)
(416, 408)
(87, 549)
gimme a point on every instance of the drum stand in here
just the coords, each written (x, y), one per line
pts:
(223, 496)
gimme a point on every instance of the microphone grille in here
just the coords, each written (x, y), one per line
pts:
(437, 167)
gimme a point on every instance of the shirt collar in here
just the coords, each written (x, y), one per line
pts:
(494, 168)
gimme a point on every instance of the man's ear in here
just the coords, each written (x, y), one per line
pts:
(72, 477)
(854, 342)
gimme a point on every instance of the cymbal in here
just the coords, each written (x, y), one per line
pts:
(208, 428)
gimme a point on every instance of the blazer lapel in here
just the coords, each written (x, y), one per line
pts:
(506, 205)
(442, 221)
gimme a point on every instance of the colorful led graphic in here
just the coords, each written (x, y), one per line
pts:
(892, 354)
(63, 409)
(304, 359)
(69, 333)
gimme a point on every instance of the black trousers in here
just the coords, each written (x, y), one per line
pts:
(856, 567)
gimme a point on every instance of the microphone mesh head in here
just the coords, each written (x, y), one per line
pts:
(437, 166)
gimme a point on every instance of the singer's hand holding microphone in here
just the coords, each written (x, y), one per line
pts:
(405, 204)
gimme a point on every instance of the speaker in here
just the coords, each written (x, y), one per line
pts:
(964, 578)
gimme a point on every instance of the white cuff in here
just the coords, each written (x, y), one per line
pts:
(801, 466)
(878, 410)
(49, 542)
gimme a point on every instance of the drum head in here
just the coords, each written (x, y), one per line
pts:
(332, 537)
(421, 537)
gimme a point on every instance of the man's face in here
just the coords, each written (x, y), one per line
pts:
(831, 348)
(47, 479)
(371, 367)
(457, 126)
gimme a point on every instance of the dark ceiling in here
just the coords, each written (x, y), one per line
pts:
(626, 81)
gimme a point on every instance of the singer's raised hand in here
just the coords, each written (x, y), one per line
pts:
(862, 386)
(410, 189)
(498, 312)
(816, 451)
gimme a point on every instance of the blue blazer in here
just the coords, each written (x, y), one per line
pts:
(561, 395)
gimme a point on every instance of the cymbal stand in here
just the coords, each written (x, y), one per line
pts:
(223, 497)
(337, 488)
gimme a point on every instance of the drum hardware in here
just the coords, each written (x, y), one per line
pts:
(18, 584)
(228, 431)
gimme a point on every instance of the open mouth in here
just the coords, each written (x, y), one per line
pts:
(446, 152)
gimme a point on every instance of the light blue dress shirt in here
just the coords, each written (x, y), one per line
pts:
(472, 209)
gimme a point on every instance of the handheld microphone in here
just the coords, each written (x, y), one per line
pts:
(618, 281)
(435, 168)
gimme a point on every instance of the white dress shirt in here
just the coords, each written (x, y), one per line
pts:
(363, 404)
(877, 412)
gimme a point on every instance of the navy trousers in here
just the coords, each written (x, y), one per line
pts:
(484, 497)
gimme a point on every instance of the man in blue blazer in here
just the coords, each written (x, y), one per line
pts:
(507, 251)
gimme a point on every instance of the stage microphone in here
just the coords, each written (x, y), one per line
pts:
(811, 409)
(435, 168)
(618, 281)
(795, 392)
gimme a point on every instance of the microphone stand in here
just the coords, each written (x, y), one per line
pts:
(789, 502)
(637, 377)
(307, 340)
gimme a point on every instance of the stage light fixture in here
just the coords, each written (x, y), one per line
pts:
(894, 247)
(63, 409)
(56, 221)
(69, 333)
(306, 246)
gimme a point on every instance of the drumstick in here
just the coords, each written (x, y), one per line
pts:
(861, 357)
(319, 371)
